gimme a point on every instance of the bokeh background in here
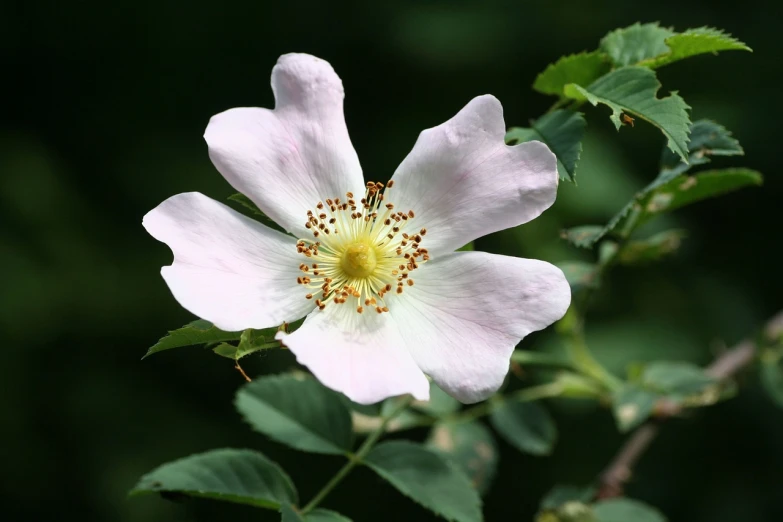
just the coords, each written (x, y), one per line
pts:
(102, 117)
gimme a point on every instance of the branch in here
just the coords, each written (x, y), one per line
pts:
(619, 471)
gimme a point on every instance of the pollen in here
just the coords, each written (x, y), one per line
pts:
(360, 253)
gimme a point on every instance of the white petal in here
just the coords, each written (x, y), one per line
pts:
(228, 269)
(463, 182)
(360, 355)
(467, 311)
(289, 159)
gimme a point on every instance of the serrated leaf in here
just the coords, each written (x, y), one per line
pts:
(440, 403)
(297, 411)
(561, 494)
(633, 90)
(625, 510)
(692, 42)
(671, 191)
(527, 426)
(234, 475)
(290, 514)
(250, 341)
(583, 69)
(427, 478)
(707, 139)
(562, 131)
(580, 275)
(632, 405)
(198, 332)
(651, 249)
(772, 375)
(471, 446)
(676, 378)
(583, 236)
(631, 45)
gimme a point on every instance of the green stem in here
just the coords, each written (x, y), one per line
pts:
(356, 458)
(526, 357)
(532, 393)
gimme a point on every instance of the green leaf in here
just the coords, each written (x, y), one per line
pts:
(707, 138)
(682, 191)
(651, 249)
(635, 43)
(562, 131)
(297, 411)
(440, 403)
(703, 40)
(425, 477)
(471, 446)
(233, 475)
(632, 405)
(676, 378)
(583, 69)
(772, 375)
(250, 341)
(633, 90)
(525, 425)
(290, 514)
(583, 236)
(196, 333)
(470, 247)
(562, 494)
(580, 275)
(625, 510)
(671, 191)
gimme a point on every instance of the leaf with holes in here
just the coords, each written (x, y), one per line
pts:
(583, 69)
(198, 332)
(562, 131)
(693, 42)
(471, 446)
(631, 45)
(633, 90)
(583, 236)
(707, 139)
(527, 426)
(297, 411)
(233, 475)
(425, 477)
(632, 405)
(654, 248)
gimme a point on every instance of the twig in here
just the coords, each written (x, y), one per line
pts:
(619, 471)
(239, 368)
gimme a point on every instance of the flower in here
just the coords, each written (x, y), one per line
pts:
(373, 267)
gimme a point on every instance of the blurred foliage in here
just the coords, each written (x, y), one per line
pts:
(104, 112)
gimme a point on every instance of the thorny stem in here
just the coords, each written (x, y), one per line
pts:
(620, 469)
(356, 458)
(239, 368)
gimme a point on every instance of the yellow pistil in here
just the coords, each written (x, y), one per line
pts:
(359, 260)
(359, 252)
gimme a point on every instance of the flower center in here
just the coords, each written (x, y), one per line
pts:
(359, 251)
(359, 260)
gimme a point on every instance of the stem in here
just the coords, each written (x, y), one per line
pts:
(356, 458)
(524, 395)
(620, 469)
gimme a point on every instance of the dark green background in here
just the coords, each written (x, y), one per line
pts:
(103, 110)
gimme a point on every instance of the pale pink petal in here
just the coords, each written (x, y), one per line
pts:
(360, 355)
(228, 269)
(289, 159)
(468, 310)
(463, 182)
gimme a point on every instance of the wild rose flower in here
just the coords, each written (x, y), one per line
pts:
(373, 267)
